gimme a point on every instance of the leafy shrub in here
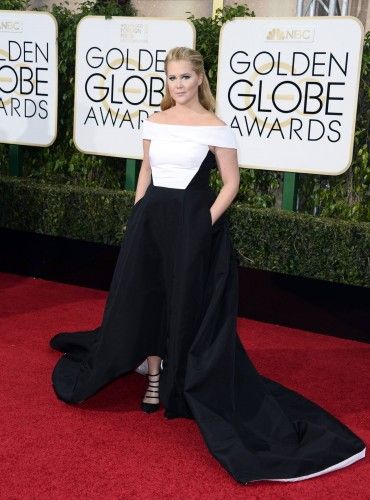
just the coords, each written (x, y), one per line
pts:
(269, 239)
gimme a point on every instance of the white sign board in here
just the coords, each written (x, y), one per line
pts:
(120, 79)
(288, 87)
(28, 78)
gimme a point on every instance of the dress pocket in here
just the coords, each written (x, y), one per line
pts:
(134, 207)
(209, 218)
(138, 202)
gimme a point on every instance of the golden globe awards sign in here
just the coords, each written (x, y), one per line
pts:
(288, 87)
(120, 79)
(28, 78)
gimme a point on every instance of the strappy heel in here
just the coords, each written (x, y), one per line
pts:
(153, 387)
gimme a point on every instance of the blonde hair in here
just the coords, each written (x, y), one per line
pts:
(205, 96)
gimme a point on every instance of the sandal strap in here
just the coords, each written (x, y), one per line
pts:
(153, 386)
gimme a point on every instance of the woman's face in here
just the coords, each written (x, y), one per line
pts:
(183, 82)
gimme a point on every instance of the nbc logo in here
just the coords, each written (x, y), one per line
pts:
(10, 27)
(296, 35)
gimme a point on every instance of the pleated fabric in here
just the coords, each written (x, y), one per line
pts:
(174, 294)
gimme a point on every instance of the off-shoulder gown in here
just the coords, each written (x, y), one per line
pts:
(174, 294)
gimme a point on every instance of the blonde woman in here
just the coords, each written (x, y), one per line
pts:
(173, 305)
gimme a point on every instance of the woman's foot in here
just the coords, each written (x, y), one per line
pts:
(150, 402)
(143, 368)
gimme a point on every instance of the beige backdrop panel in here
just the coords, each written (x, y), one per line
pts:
(270, 8)
(173, 8)
(178, 8)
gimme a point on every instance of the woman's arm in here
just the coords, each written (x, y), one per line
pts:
(227, 162)
(145, 173)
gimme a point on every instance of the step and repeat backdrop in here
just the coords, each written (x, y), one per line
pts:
(287, 87)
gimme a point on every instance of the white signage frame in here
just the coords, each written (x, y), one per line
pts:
(257, 154)
(81, 143)
(17, 27)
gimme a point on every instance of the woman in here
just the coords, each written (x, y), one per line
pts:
(174, 297)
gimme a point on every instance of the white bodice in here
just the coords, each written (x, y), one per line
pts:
(177, 151)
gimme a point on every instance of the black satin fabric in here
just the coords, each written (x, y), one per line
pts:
(174, 294)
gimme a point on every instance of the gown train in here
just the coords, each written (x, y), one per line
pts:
(174, 294)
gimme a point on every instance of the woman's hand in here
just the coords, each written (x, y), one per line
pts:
(145, 173)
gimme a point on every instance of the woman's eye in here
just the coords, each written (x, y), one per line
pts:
(174, 78)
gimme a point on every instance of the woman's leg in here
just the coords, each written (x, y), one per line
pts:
(153, 364)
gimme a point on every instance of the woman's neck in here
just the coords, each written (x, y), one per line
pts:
(195, 111)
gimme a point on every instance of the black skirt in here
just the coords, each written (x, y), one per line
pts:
(174, 294)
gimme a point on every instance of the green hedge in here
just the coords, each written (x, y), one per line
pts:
(269, 239)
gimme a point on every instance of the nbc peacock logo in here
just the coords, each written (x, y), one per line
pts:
(290, 35)
(275, 34)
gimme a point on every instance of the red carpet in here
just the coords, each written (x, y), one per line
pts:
(107, 448)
